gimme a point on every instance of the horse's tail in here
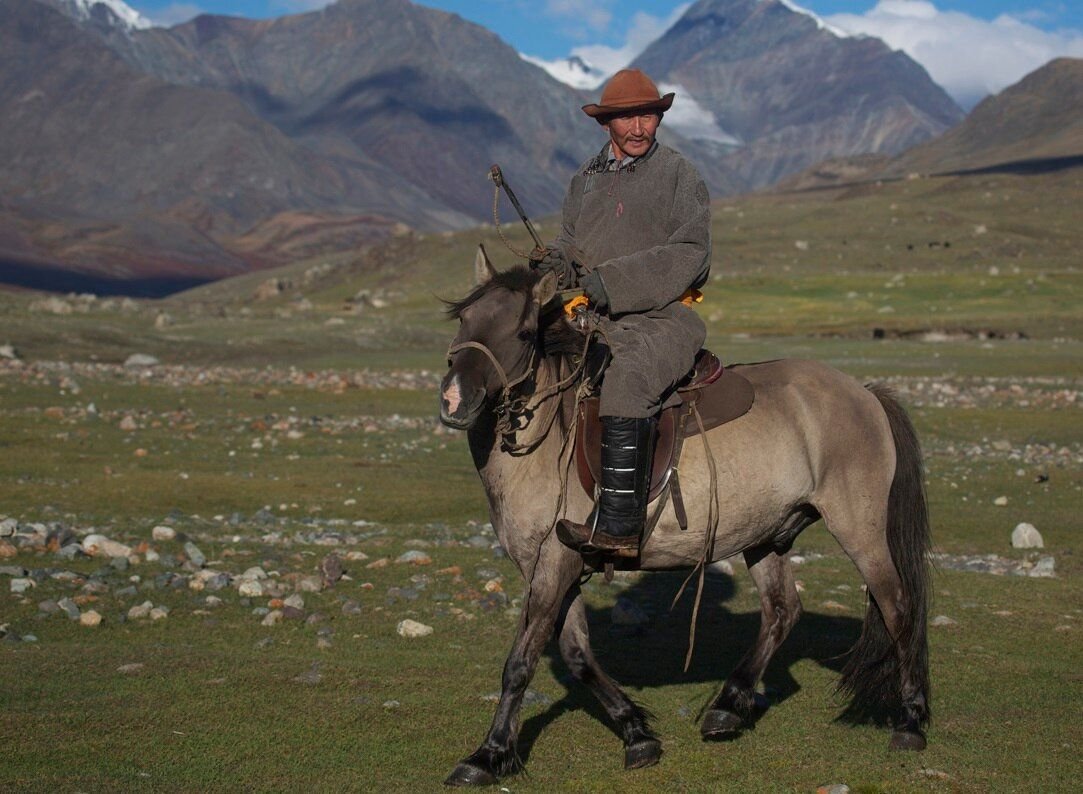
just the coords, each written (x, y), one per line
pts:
(872, 672)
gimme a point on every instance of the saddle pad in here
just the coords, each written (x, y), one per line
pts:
(727, 398)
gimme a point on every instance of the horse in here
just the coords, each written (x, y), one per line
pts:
(815, 444)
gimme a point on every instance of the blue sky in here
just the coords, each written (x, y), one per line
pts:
(1002, 39)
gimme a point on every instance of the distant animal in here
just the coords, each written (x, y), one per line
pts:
(815, 444)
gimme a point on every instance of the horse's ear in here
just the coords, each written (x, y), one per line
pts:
(546, 289)
(483, 268)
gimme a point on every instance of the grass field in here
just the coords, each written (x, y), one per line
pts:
(277, 428)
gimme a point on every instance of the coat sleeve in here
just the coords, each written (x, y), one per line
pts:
(657, 276)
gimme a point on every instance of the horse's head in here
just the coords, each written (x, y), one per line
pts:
(498, 340)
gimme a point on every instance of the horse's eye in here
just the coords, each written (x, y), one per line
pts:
(526, 335)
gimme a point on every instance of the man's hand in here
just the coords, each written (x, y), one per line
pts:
(544, 259)
(594, 288)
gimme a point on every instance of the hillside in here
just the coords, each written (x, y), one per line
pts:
(1038, 118)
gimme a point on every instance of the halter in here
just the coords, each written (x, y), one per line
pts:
(511, 409)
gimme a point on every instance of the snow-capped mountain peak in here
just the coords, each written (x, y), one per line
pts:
(573, 70)
(842, 34)
(128, 16)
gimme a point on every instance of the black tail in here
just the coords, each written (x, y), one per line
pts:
(874, 674)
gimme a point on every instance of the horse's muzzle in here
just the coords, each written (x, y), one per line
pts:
(459, 406)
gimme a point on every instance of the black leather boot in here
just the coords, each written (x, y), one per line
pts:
(616, 523)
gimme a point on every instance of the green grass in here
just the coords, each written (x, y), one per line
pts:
(214, 710)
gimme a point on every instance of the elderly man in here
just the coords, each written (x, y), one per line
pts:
(636, 238)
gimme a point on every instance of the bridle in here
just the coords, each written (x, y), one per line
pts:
(514, 411)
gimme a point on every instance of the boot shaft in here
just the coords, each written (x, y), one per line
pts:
(627, 452)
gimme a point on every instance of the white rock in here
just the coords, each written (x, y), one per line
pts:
(101, 546)
(8, 527)
(1001, 501)
(90, 618)
(1026, 536)
(272, 618)
(140, 360)
(140, 610)
(411, 628)
(153, 556)
(255, 572)
(295, 601)
(158, 613)
(1043, 568)
(943, 620)
(22, 585)
(251, 588)
(163, 533)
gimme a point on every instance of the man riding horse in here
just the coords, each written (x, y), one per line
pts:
(636, 238)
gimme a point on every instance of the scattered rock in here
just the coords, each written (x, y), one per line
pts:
(1043, 568)
(163, 533)
(129, 669)
(943, 620)
(250, 588)
(70, 608)
(272, 618)
(833, 788)
(414, 557)
(836, 606)
(22, 585)
(310, 584)
(7, 551)
(311, 677)
(90, 618)
(101, 546)
(351, 607)
(196, 557)
(723, 567)
(411, 628)
(1001, 501)
(159, 613)
(331, 569)
(296, 601)
(140, 361)
(1026, 536)
(139, 610)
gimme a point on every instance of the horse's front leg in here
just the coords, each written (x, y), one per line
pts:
(556, 571)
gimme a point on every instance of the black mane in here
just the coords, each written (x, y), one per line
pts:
(555, 337)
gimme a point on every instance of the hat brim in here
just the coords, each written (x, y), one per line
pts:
(661, 105)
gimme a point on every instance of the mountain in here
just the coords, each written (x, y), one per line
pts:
(111, 170)
(102, 14)
(1039, 118)
(793, 90)
(426, 94)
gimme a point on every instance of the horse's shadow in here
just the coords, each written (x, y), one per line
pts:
(654, 654)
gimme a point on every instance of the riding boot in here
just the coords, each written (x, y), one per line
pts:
(618, 518)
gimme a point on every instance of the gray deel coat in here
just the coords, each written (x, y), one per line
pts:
(648, 256)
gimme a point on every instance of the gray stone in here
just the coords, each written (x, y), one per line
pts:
(479, 542)
(48, 607)
(292, 613)
(1026, 536)
(8, 527)
(140, 610)
(311, 677)
(414, 557)
(12, 570)
(71, 609)
(70, 552)
(351, 607)
(119, 563)
(943, 620)
(163, 533)
(196, 557)
(1043, 568)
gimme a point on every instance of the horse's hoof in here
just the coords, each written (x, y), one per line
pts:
(718, 723)
(907, 740)
(645, 752)
(470, 775)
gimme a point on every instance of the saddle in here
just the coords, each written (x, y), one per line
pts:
(718, 393)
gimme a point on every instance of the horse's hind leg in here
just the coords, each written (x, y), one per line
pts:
(641, 747)
(556, 570)
(780, 607)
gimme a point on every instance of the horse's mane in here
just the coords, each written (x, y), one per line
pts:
(555, 336)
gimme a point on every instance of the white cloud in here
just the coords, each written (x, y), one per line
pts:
(594, 14)
(970, 57)
(643, 30)
(174, 14)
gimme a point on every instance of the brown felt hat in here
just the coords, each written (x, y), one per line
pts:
(628, 90)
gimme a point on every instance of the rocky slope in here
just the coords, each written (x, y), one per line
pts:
(792, 90)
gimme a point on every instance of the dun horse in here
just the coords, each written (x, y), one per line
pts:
(816, 444)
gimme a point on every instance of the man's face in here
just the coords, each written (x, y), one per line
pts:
(633, 135)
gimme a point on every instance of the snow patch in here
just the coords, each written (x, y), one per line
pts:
(125, 13)
(573, 70)
(692, 120)
(839, 32)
